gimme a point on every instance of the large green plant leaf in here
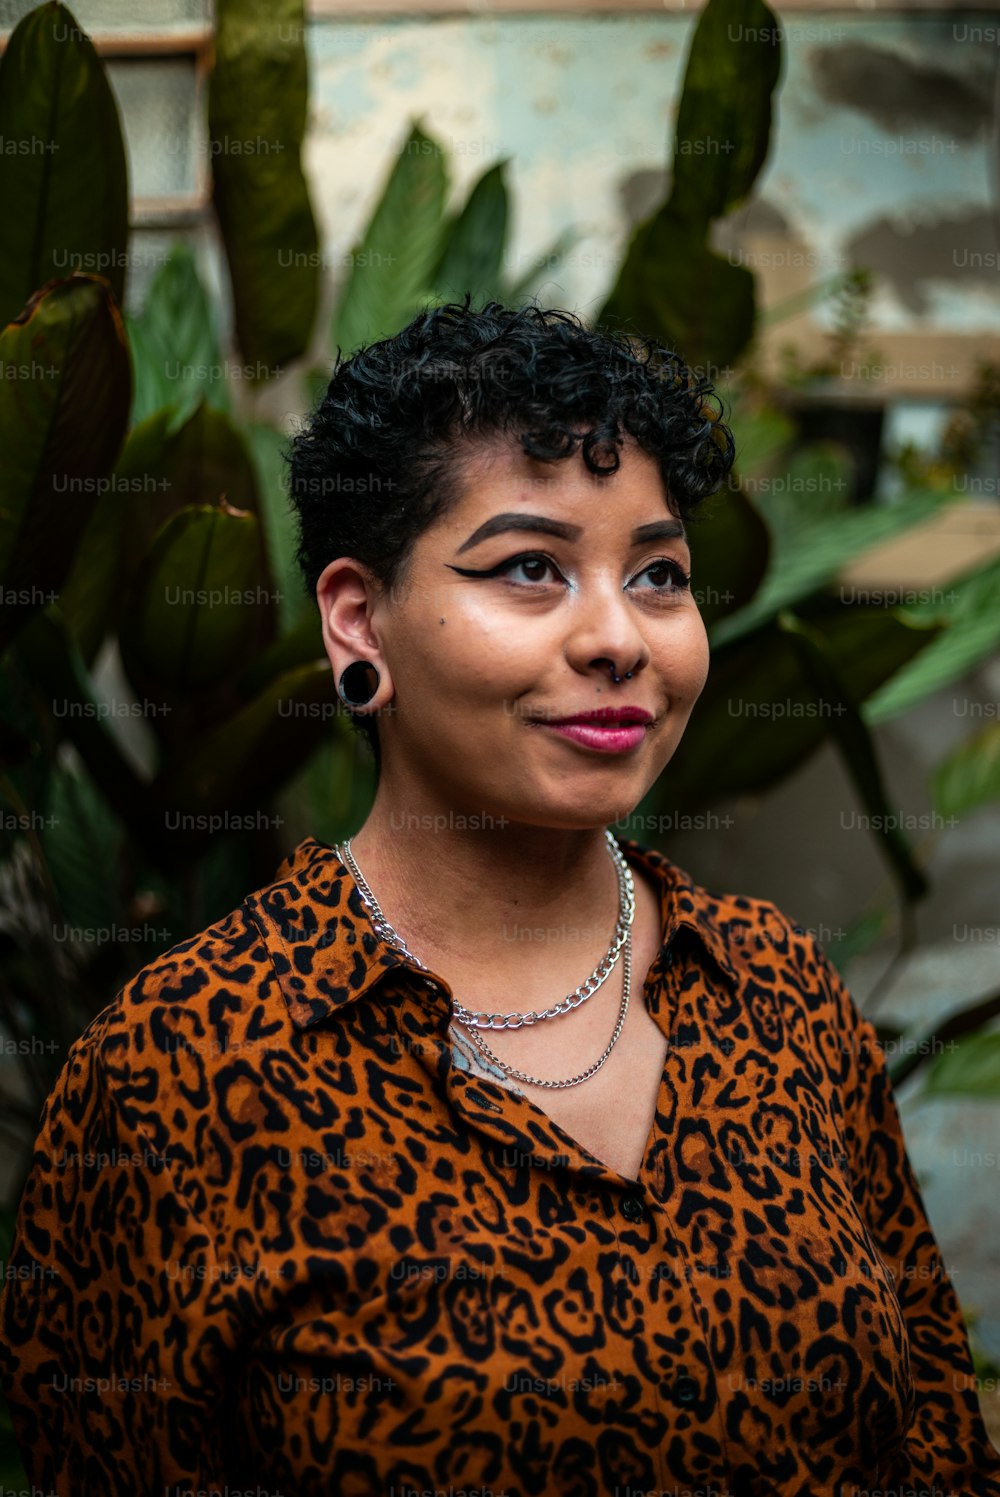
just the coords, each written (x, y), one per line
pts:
(189, 618)
(973, 633)
(62, 419)
(857, 750)
(137, 502)
(62, 163)
(970, 1069)
(302, 645)
(257, 115)
(676, 288)
(672, 283)
(763, 436)
(254, 753)
(729, 555)
(46, 654)
(175, 349)
(813, 484)
(970, 775)
(80, 836)
(393, 264)
(759, 718)
(476, 240)
(267, 448)
(174, 458)
(724, 116)
(809, 557)
(200, 461)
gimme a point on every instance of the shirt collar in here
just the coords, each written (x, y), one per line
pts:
(326, 952)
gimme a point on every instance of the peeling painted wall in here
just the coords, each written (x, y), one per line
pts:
(882, 154)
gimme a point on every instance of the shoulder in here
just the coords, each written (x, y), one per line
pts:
(207, 982)
(177, 1035)
(754, 934)
(778, 969)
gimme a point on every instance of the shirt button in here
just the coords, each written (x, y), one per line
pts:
(633, 1208)
(685, 1390)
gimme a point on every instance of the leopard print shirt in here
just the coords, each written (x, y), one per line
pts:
(280, 1236)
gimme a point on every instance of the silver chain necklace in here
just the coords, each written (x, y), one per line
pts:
(583, 1076)
(600, 974)
(472, 1021)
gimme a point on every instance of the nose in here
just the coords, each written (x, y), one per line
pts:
(605, 638)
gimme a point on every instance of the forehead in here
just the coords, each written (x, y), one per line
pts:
(497, 469)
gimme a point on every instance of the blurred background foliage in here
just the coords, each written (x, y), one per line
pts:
(146, 540)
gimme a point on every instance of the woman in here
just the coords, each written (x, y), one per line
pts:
(487, 1151)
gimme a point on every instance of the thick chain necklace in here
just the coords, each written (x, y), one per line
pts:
(473, 1021)
(584, 1075)
(600, 974)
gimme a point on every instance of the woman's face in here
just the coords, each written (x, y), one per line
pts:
(474, 666)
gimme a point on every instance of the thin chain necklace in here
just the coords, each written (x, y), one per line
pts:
(584, 1075)
(600, 974)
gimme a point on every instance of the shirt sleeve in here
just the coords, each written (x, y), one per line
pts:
(112, 1331)
(947, 1449)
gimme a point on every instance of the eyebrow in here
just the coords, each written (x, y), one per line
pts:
(514, 520)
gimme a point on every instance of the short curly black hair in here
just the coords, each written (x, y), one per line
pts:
(380, 459)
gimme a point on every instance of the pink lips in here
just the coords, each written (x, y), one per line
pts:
(615, 738)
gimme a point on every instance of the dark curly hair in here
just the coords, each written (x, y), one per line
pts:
(380, 459)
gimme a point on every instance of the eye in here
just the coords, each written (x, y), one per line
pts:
(675, 572)
(530, 559)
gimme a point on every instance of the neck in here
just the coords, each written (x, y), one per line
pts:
(489, 897)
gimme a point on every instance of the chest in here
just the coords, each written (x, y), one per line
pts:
(611, 1113)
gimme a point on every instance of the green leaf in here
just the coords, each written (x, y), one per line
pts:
(267, 447)
(814, 484)
(970, 775)
(84, 838)
(317, 382)
(808, 559)
(301, 645)
(392, 265)
(972, 635)
(969, 1068)
(518, 291)
(762, 436)
(189, 618)
(259, 748)
(62, 166)
(202, 460)
(175, 349)
(62, 420)
(857, 750)
(729, 555)
(673, 286)
(724, 116)
(92, 592)
(167, 459)
(758, 719)
(861, 936)
(475, 241)
(257, 115)
(46, 654)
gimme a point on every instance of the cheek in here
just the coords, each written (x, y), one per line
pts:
(686, 661)
(466, 656)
